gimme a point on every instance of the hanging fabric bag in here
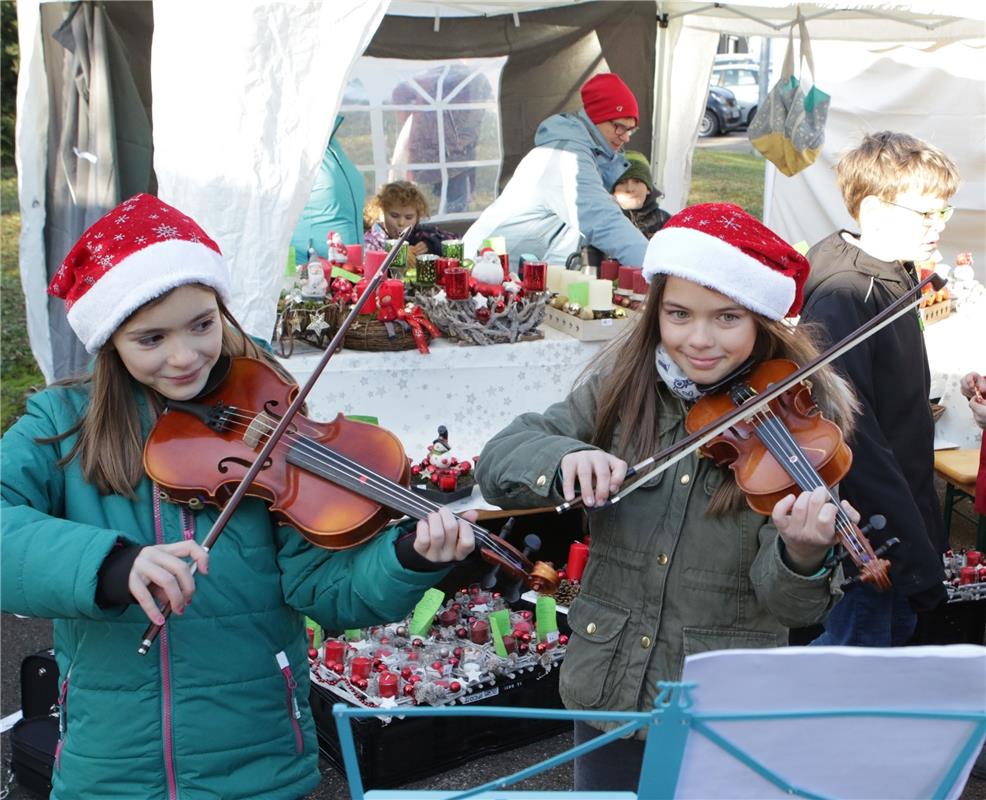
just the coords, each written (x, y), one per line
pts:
(789, 128)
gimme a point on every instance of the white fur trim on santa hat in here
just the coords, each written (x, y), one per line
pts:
(139, 278)
(718, 265)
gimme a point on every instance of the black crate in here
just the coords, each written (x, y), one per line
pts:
(413, 748)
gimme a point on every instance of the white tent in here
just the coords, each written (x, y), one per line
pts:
(235, 84)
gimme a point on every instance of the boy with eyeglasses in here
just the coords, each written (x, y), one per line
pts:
(897, 188)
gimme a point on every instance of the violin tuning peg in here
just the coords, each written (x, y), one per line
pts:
(532, 543)
(877, 523)
(883, 548)
(489, 580)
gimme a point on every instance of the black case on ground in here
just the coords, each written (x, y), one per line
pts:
(33, 739)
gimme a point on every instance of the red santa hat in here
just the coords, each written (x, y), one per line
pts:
(140, 250)
(720, 246)
(605, 97)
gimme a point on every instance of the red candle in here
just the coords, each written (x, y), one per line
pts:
(450, 616)
(967, 575)
(457, 284)
(578, 554)
(388, 684)
(509, 643)
(480, 632)
(609, 269)
(535, 276)
(973, 558)
(360, 667)
(374, 258)
(370, 305)
(626, 276)
(335, 652)
(443, 265)
(354, 255)
(639, 283)
(505, 263)
(390, 299)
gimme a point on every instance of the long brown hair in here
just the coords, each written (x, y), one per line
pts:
(110, 446)
(629, 392)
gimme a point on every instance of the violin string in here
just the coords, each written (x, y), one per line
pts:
(366, 477)
(780, 436)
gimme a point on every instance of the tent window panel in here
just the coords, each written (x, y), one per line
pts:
(436, 123)
(357, 136)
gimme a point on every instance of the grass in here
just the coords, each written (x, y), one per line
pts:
(716, 176)
(719, 176)
(18, 370)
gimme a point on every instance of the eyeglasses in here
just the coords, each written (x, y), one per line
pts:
(930, 217)
(622, 130)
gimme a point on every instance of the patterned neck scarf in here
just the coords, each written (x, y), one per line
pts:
(674, 378)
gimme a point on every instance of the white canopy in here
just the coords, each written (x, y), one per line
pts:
(243, 92)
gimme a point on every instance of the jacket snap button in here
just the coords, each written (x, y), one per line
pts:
(590, 628)
(685, 479)
(541, 481)
(645, 642)
(663, 559)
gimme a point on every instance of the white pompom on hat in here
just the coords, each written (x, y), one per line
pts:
(131, 255)
(721, 247)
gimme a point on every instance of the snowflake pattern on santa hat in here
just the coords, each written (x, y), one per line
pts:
(134, 253)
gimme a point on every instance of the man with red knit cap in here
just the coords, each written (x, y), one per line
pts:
(559, 196)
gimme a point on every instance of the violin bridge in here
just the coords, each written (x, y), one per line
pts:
(260, 426)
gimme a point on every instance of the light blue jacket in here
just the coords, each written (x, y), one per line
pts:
(559, 198)
(208, 713)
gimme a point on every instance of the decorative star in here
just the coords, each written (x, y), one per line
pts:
(295, 322)
(318, 324)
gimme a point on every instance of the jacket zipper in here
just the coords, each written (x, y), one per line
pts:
(169, 757)
(294, 713)
(62, 719)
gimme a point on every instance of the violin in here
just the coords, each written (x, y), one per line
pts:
(338, 483)
(787, 445)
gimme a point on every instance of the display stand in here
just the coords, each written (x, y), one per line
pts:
(814, 722)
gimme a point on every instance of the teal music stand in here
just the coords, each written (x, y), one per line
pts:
(824, 722)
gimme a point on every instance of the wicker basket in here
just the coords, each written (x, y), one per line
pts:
(369, 333)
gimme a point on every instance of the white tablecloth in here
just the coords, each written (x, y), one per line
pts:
(473, 390)
(956, 346)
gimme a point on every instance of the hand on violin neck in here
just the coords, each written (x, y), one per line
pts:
(807, 527)
(598, 474)
(443, 537)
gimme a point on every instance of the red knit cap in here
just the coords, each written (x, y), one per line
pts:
(134, 253)
(605, 96)
(720, 246)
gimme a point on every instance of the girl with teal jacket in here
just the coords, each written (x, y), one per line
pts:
(219, 707)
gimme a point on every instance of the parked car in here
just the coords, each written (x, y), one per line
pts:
(722, 113)
(743, 80)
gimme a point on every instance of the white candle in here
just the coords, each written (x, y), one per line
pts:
(600, 295)
(554, 278)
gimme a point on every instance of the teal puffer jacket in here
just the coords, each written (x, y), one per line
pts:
(209, 712)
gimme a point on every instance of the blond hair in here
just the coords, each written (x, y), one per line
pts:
(398, 193)
(110, 445)
(629, 393)
(887, 163)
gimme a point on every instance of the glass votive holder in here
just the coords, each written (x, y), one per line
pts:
(457, 284)
(400, 260)
(536, 276)
(453, 248)
(427, 274)
(444, 264)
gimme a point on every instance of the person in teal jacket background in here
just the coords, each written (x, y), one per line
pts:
(334, 204)
(219, 707)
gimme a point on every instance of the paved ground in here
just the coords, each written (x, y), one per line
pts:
(20, 637)
(734, 142)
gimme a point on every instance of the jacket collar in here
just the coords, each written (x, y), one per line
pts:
(892, 271)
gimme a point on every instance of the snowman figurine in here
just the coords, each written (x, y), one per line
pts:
(443, 463)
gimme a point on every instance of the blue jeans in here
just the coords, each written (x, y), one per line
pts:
(865, 617)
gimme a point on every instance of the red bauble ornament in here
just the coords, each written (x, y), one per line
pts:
(453, 662)
(461, 633)
(464, 467)
(415, 678)
(409, 690)
(416, 470)
(523, 647)
(455, 686)
(483, 315)
(500, 307)
(437, 666)
(361, 683)
(312, 653)
(542, 647)
(338, 668)
(457, 652)
(406, 673)
(418, 643)
(563, 640)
